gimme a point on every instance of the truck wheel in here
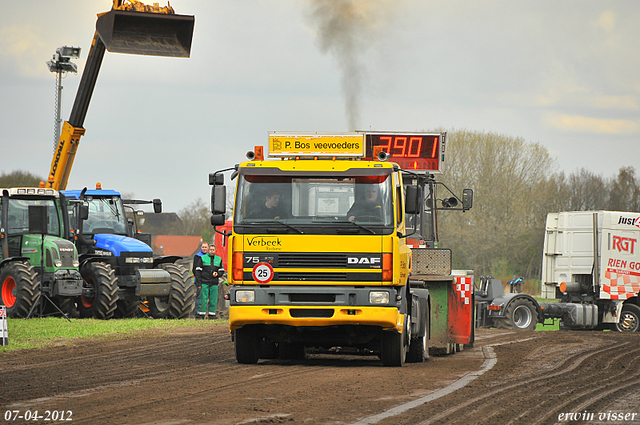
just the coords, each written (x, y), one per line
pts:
(522, 315)
(501, 324)
(247, 345)
(393, 350)
(181, 299)
(19, 288)
(630, 319)
(101, 277)
(419, 345)
(268, 350)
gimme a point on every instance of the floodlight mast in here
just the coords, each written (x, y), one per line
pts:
(61, 64)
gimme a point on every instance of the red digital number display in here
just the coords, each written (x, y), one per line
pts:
(418, 152)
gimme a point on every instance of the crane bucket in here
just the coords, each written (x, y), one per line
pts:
(144, 33)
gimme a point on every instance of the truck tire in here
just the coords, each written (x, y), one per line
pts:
(19, 288)
(629, 319)
(419, 345)
(269, 350)
(521, 314)
(102, 278)
(180, 301)
(247, 345)
(393, 351)
(501, 324)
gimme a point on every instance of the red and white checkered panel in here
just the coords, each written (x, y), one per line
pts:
(464, 286)
(618, 286)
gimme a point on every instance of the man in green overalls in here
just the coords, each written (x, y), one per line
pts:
(208, 269)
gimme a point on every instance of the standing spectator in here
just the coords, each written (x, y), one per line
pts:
(204, 250)
(208, 270)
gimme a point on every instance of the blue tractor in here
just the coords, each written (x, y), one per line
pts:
(117, 262)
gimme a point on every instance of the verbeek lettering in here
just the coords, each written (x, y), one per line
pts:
(262, 242)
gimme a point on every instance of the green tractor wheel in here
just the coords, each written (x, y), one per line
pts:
(20, 288)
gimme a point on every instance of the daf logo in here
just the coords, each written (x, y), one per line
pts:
(375, 261)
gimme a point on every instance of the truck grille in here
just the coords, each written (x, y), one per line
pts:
(312, 260)
(321, 276)
(317, 266)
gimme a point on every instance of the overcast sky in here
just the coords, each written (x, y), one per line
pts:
(565, 74)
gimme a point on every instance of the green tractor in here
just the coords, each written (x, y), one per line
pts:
(37, 262)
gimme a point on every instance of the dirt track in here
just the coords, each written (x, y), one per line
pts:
(190, 376)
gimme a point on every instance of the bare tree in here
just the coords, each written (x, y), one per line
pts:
(196, 220)
(625, 191)
(587, 191)
(502, 234)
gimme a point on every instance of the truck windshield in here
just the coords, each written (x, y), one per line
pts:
(18, 222)
(292, 202)
(106, 215)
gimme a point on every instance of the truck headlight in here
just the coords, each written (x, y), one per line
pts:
(245, 296)
(379, 297)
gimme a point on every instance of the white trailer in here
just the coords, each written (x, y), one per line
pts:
(591, 264)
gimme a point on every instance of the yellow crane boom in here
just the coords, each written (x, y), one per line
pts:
(133, 28)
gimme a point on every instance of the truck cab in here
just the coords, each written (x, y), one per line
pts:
(318, 256)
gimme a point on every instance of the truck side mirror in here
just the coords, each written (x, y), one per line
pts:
(467, 199)
(157, 206)
(413, 199)
(217, 219)
(216, 179)
(218, 199)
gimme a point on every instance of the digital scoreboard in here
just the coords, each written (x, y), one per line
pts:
(411, 151)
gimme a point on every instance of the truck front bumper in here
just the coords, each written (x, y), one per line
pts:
(386, 318)
(316, 306)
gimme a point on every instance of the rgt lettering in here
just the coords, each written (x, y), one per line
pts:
(624, 244)
(260, 241)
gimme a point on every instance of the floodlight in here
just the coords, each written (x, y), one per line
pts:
(69, 52)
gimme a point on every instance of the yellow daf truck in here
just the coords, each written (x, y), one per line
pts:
(318, 254)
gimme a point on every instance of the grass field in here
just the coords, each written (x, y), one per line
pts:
(50, 331)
